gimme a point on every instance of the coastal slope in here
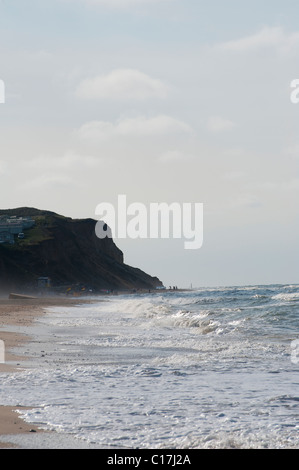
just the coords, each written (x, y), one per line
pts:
(68, 252)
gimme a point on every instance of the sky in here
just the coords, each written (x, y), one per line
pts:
(163, 101)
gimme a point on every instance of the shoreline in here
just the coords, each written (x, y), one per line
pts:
(11, 424)
(21, 312)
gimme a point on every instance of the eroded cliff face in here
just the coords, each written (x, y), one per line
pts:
(68, 252)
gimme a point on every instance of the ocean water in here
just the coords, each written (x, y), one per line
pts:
(207, 368)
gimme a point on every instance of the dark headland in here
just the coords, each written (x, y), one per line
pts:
(43, 250)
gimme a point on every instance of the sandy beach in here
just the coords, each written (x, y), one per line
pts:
(21, 312)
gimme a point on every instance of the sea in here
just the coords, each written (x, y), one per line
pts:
(207, 368)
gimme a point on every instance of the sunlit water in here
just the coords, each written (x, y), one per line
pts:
(211, 368)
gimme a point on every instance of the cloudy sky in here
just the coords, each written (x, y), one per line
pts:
(162, 101)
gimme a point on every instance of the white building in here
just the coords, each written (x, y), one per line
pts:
(11, 226)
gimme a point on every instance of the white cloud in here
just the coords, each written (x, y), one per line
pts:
(3, 167)
(267, 37)
(68, 161)
(219, 124)
(293, 152)
(173, 156)
(285, 185)
(124, 84)
(45, 181)
(247, 201)
(292, 185)
(96, 131)
(233, 175)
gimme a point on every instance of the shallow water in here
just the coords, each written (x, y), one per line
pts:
(208, 368)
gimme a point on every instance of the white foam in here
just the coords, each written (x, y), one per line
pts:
(287, 296)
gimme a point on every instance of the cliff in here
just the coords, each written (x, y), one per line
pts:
(68, 252)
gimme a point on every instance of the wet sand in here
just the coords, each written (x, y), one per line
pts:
(20, 312)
